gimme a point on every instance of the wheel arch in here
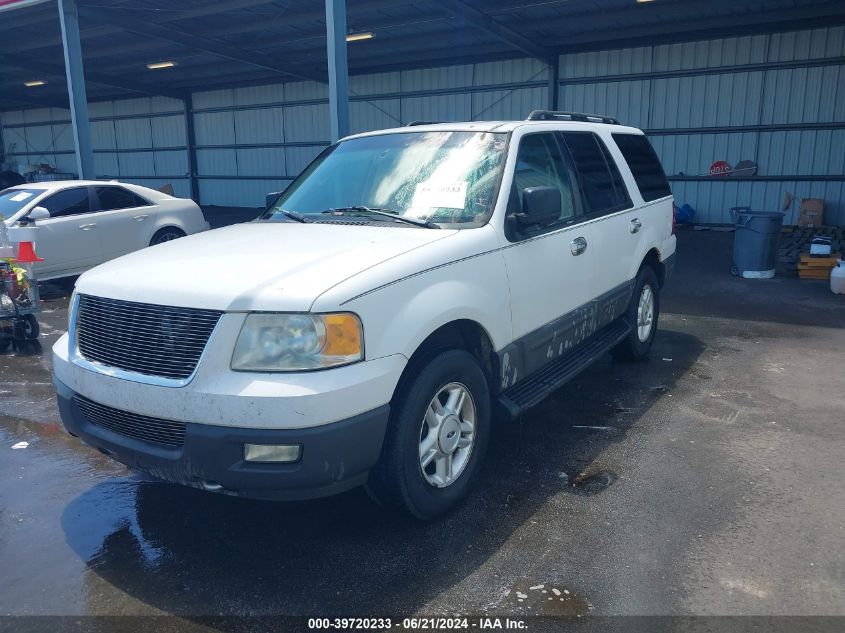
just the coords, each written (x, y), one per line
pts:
(464, 334)
(160, 228)
(652, 260)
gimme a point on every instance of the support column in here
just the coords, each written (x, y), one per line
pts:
(69, 18)
(554, 79)
(338, 71)
(191, 147)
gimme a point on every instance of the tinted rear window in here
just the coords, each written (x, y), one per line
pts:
(601, 183)
(645, 165)
(111, 197)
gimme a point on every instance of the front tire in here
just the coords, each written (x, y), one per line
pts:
(642, 314)
(437, 437)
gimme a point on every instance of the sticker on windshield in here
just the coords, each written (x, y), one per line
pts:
(448, 195)
(23, 195)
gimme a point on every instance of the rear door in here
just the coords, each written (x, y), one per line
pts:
(124, 219)
(610, 211)
(68, 240)
(550, 269)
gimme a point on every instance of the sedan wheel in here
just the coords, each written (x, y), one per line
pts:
(166, 235)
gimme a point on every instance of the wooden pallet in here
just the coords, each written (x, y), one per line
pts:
(795, 242)
(810, 267)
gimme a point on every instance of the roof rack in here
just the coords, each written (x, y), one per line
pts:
(551, 115)
(415, 123)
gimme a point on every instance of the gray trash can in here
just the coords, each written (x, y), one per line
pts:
(755, 242)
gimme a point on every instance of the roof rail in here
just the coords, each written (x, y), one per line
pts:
(551, 115)
(415, 123)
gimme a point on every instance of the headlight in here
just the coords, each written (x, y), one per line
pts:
(298, 342)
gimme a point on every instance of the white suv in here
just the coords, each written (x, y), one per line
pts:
(407, 286)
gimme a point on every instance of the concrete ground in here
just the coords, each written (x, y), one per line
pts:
(708, 480)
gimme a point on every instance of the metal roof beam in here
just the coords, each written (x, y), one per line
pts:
(277, 41)
(317, 14)
(763, 21)
(211, 8)
(480, 20)
(213, 47)
(672, 17)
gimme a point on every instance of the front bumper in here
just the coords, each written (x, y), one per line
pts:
(335, 457)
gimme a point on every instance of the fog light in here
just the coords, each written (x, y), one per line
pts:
(284, 453)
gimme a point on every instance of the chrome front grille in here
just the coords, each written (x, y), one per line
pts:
(149, 339)
(140, 427)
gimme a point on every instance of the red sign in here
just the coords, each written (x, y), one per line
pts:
(721, 168)
(8, 5)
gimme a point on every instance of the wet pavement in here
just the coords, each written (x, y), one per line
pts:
(708, 480)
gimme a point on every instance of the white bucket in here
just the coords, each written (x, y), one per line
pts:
(758, 274)
(837, 278)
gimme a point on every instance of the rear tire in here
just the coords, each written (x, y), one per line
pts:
(167, 234)
(438, 433)
(643, 312)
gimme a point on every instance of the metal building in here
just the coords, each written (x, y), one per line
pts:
(228, 100)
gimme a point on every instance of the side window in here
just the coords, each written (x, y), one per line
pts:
(111, 198)
(601, 184)
(73, 201)
(539, 163)
(645, 165)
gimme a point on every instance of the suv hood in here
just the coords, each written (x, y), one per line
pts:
(274, 266)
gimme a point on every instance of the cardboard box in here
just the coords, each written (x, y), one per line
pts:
(812, 213)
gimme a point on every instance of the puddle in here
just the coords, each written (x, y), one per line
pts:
(588, 484)
(547, 599)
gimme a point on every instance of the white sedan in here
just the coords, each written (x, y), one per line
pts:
(84, 223)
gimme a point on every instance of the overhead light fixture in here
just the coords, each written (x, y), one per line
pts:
(644, 1)
(357, 37)
(160, 65)
(33, 84)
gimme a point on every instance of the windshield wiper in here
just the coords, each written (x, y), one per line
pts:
(294, 215)
(383, 212)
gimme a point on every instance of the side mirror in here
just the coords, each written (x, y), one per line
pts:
(540, 206)
(38, 213)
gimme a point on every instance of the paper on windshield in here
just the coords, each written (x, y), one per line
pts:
(448, 195)
(20, 197)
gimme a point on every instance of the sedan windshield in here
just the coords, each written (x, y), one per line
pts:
(13, 200)
(429, 177)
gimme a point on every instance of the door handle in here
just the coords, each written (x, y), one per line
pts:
(578, 245)
(636, 225)
(87, 227)
(140, 218)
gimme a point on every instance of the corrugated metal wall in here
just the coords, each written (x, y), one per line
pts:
(254, 140)
(136, 140)
(778, 100)
(775, 99)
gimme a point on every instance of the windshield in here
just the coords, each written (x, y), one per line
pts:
(439, 177)
(13, 200)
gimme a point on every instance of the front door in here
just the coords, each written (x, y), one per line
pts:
(68, 240)
(550, 270)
